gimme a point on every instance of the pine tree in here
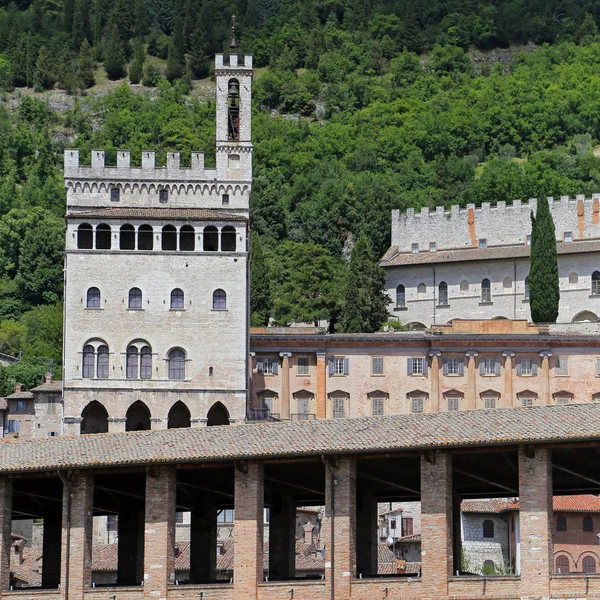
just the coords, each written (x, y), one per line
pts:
(85, 67)
(176, 58)
(98, 27)
(544, 292)
(198, 59)
(136, 70)
(68, 10)
(81, 23)
(67, 79)
(114, 57)
(260, 284)
(140, 18)
(365, 301)
(44, 77)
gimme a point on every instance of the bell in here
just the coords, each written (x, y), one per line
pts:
(234, 88)
(233, 43)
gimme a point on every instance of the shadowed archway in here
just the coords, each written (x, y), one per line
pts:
(95, 418)
(217, 415)
(138, 417)
(179, 416)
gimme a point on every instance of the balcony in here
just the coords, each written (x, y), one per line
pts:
(303, 416)
(262, 414)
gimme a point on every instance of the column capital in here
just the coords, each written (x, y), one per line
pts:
(545, 354)
(321, 354)
(508, 354)
(285, 354)
(472, 353)
(252, 354)
(435, 353)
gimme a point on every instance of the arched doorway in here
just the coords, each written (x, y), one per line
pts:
(179, 416)
(217, 415)
(138, 417)
(94, 418)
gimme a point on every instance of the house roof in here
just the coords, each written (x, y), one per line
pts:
(570, 422)
(578, 503)
(20, 396)
(410, 539)
(27, 571)
(188, 214)
(3, 404)
(48, 386)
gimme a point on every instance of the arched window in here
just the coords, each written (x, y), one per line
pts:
(93, 298)
(588, 524)
(233, 110)
(211, 239)
(561, 524)
(400, 297)
(489, 567)
(102, 362)
(228, 239)
(179, 416)
(94, 419)
(573, 279)
(85, 237)
(562, 564)
(488, 528)
(177, 299)
(217, 415)
(421, 290)
(589, 564)
(219, 300)
(596, 283)
(88, 362)
(187, 238)
(145, 237)
(169, 237)
(146, 362)
(177, 364)
(135, 298)
(138, 417)
(443, 294)
(527, 287)
(103, 237)
(127, 237)
(486, 291)
(132, 360)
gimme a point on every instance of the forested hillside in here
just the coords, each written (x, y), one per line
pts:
(359, 107)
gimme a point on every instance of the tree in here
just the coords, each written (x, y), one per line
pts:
(544, 292)
(365, 301)
(44, 77)
(85, 67)
(260, 284)
(136, 70)
(81, 23)
(114, 57)
(176, 58)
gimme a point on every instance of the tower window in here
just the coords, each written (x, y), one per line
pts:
(169, 237)
(85, 237)
(88, 362)
(93, 298)
(177, 364)
(145, 237)
(211, 239)
(135, 298)
(103, 237)
(219, 300)
(225, 199)
(163, 196)
(187, 239)
(115, 194)
(127, 237)
(228, 239)
(102, 362)
(233, 110)
(177, 299)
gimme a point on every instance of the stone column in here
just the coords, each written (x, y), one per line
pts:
(435, 380)
(471, 395)
(51, 547)
(508, 378)
(77, 521)
(248, 554)
(367, 533)
(285, 384)
(219, 239)
(251, 398)
(6, 496)
(159, 532)
(203, 544)
(535, 518)
(545, 381)
(437, 560)
(116, 424)
(130, 549)
(321, 385)
(282, 539)
(338, 533)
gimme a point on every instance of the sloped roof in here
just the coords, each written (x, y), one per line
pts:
(20, 396)
(188, 214)
(27, 571)
(48, 386)
(578, 503)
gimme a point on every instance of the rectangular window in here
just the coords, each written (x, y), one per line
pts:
(18, 406)
(115, 194)
(526, 366)
(568, 236)
(377, 408)
(563, 400)
(453, 403)
(225, 516)
(417, 366)
(453, 366)
(225, 199)
(269, 366)
(432, 247)
(377, 365)
(526, 401)
(302, 406)
(339, 408)
(178, 517)
(418, 405)
(482, 244)
(267, 403)
(303, 365)
(407, 526)
(415, 248)
(528, 241)
(12, 426)
(163, 196)
(489, 402)
(562, 367)
(339, 366)
(489, 366)
(52, 433)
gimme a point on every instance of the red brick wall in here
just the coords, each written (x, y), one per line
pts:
(33, 595)
(479, 587)
(5, 531)
(563, 586)
(313, 590)
(122, 593)
(397, 589)
(576, 543)
(192, 592)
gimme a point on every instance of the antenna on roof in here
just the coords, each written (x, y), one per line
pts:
(233, 43)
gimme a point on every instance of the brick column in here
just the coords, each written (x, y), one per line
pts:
(282, 539)
(535, 517)
(159, 532)
(545, 380)
(321, 385)
(203, 544)
(338, 533)
(435, 381)
(77, 521)
(6, 494)
(285, 384)
(436, 525)
(51, 546)
(248, 553)
(471, 395)
(508, 378)
(366, 533)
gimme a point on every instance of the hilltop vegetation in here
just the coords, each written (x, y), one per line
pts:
(359, 107)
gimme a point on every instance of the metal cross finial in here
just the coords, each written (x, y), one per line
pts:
(233, 43)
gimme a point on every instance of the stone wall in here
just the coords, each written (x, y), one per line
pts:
(477, 549)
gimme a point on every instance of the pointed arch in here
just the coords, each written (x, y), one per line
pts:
(179, 416)
(138, 417)
(94, 418)
(217, 415)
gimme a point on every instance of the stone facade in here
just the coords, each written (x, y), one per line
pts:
(485, 554)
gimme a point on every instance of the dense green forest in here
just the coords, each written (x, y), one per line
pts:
(359, 107)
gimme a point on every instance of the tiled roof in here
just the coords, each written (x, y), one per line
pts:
(576, 503)
(386, 560)
(411, 539)
(393, 257)
(20, 396)
(48, 386)
(27, 571)
(575, 422)
(188, 214)
(3, 404)
(488, 506)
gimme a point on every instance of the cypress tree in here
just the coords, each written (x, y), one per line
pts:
(136, 70)
(98, 28)
(66, 76)
(544, 292)
(81, 23)
(44, 77)
(114, 57)
(85, 67)
(198, 57)
(260, 284)
(365, 301)
(176, 58)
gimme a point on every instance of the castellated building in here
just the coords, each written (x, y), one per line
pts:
(156, 280)
(473, 262)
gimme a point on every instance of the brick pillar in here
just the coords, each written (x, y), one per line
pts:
(6, 494)
(535, 516)
(321, 385)
(248, 553)
(159, 532)
(435, 381)
(471, 395)
(366, 533)
(436, 525)
(130, 549)
(51, 548)
(285, 384)
(203, 544)
(508, 379)
(339, 527)
(77, 521)
(545, 380)
(282, 539)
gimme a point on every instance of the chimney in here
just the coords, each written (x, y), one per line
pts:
(18, 387)
(48, 377)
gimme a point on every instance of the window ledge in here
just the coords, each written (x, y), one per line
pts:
(218, 309)
(490, 374)
(135, 309)
(400, 308)
(486, 303)
(177, 310)
(594, 295)
(443, 306)
(525, 301)
(377, 374)
(94, 308)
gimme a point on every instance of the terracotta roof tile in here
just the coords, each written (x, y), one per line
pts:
(188, 214)
(20, 396)
(575, 503)
(576, 422)
(28, 571)
(48, 386)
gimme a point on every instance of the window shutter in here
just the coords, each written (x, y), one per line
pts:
(519, 367)
(346, 366)
(331, 366)
(425, 366)
(534, 367)
(275, 366)
(259, 365)
(461, 366)
(482, 366)
(497, 366)
(445, 366)
(409, 365)
(598, 366)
